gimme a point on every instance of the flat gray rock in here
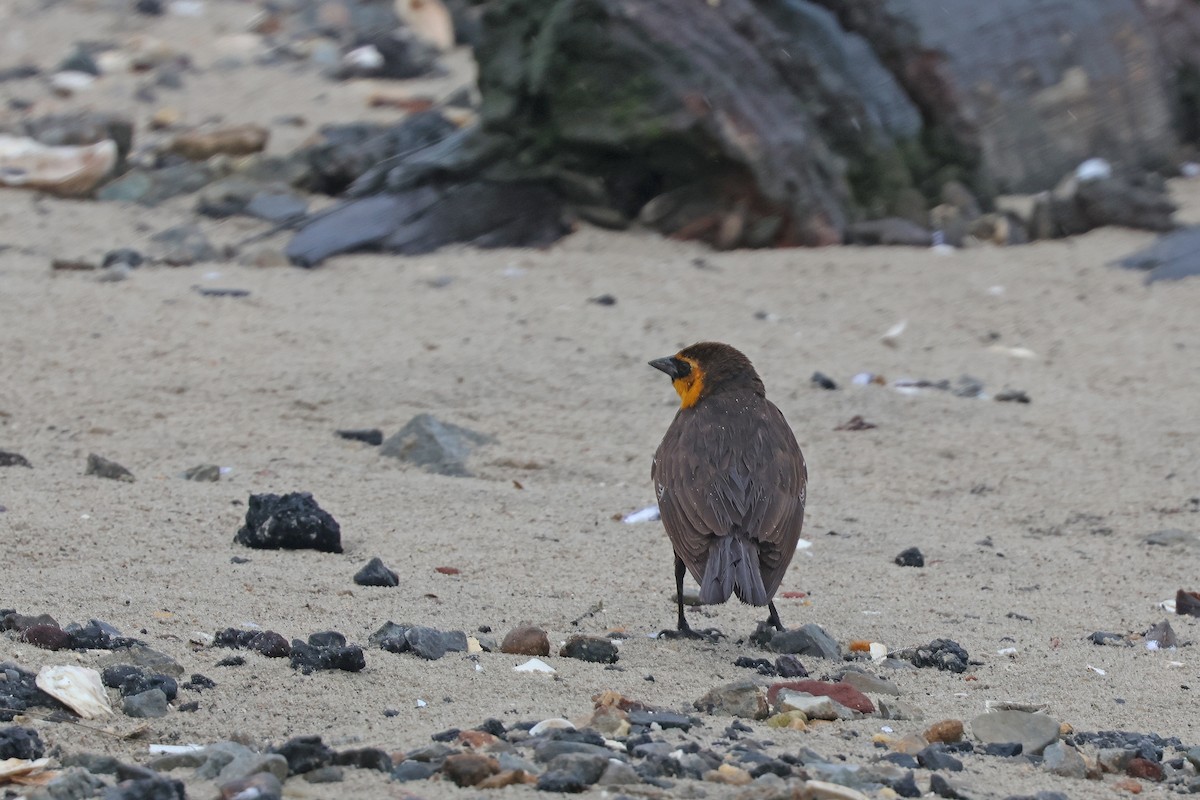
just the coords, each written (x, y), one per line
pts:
(433, 445)
(1034, 731)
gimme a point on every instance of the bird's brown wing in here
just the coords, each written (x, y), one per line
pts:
(742, 472)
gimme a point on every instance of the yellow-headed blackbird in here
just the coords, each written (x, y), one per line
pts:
(729, 478)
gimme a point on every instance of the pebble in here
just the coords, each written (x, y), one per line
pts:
(204, 473)
(936, 757)
(148, 704)
(945, 654)
(20, 742)
(436, 446)
(841, 693)
(912, 557)
(788, 666)
(309, 658)
(663, 719)
(582, 769)
(1061, 759)
(304, 754)
(103, 468)
(906, 785)
(823, 381)
(618, 773)
(809, 640)
(739, 699)
(259, 786)
(526, 640)
(47, 637)
(289, 522)
(236, 140)
(1013, 396)
(8, 459)
(589, 648)
(432, 644)
(946, 731)
(1034, 732)
(824, 790)
(376, 574)
(941, 786)
(371, 436)
(1145, 769)
(410, 770)
(182, 246)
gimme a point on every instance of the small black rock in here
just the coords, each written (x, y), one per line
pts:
(372, 436)
(308, 659)
(327, 639)
(590, 648)
(376, 574)
(448, 735)
(151, 8)
(198, 683)
(1002, 749)
(760, 665)
(906, 786)
(19, 742)
(945, 654)
(788, 666)
(8, 459)
(824, 381)
(603, 300)
(664, 719)
(125, 256)
(231, 661)
(304, 754)
(156, 788)
(364, 758)
(936, 757)
(911, 557)
(940, 786)
(1012, 396)
(289, 522)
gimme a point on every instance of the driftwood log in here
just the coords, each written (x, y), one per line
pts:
(748, 123)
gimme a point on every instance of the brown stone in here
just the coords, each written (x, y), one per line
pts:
(469, 769)
(842, 693)
(47, 637)
(477, 740)
(238, 140)
(526, 640)
(508, 777)
(1145, 769)
(947, 730)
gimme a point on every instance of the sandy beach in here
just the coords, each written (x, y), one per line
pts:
(1032, 517)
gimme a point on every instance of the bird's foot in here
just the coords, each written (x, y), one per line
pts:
(705, 634)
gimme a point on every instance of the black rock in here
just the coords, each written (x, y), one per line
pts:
(8, 459)
(436, 446)
(664, 719)
(1002, 749)
(493, 726)
(47, 637)
(231, 661)
(562, 781)
(572, 770)
(327, 639)
(788, 666)
(771, 767)
(98, 635)
(19, 691)
(1012, 396)
(20, 742)
(906, 786)
(182, 246)
(289, 522)
(410, 770)
(428, 642)
(124, 256)
(151, 8)
(372, 436)
(590, 648)
(911, 557)
(823, 381)
(307, 658)
(945, 654)
(940, 786)
(376, 574)
(603, 300)
(760, 665)
(304, 754)
(364, 758)
(1105, 637)
(151, 703)
(389, 630)
(809, 640)
(448, 735)
(156, 788)
(936, 757)
(103, 468)
(270, 644)
(80, 60)
(189, 707)
(902, 760)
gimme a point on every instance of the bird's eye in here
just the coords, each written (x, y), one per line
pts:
(682, 368)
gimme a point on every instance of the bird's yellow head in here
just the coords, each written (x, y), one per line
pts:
(706, 367)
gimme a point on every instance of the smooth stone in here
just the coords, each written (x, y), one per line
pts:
(824, 790)
(375, 573)
(304, 754)
(586, 767)
(935, 757)
(155, 788)
(870, 684)
(469, 769)
(436, 446)
(548, 751)
(148, 704)
(364, 758)
(1034, 731)
(940, 785)
(589, 648)
(526, 640)
(739, 699)
(428, 643)
(1062, 759)
(809, 640)
(413, 771)
(618, 773)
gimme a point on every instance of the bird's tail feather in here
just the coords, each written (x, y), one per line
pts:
(733, 568)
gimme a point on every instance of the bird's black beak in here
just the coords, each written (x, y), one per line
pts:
(672, 366)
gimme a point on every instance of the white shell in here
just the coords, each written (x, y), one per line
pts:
(534, 665)
(64, 170)
(554, 723)
(879, 651)
(78, 688)
(647, 514)
(892, 337)
(174, 749)
(11, 768)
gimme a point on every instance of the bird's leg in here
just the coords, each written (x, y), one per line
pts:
(682, 629)
(773, 619)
